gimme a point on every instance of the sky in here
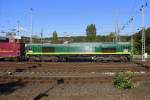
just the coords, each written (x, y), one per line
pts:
(71, 17)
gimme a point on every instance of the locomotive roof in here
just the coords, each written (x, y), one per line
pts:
(86, 43)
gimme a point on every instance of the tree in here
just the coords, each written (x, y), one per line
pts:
(138, 42)
(91, 33)
(55, 37)
(111, 37)
(147, 40)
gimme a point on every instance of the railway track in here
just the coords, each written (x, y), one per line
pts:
(145, 64)
(68, 79)
(69, 67)
(68, 72)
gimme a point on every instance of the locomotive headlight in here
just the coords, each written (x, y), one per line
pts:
(30, 51)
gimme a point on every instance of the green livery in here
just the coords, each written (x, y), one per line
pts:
(75, 49)
(79, 48)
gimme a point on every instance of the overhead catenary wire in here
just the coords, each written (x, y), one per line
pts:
(131, 19)
(118, 28)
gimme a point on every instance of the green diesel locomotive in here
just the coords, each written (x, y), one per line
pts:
(97, 52)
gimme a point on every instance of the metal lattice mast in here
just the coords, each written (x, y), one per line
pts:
(132, 43)
(41, 57)
(117, 29)
(42, 36)
(117, 32)
(18, 31)
(31, 25)
(132, 39)
(143, 35)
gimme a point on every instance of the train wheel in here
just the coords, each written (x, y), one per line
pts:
(116, 59)
(124, 59)
(54, 59)
(98, 59)
(129, 59)
(32, 59)
(62, 59)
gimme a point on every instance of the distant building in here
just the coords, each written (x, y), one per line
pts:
(4, 39)
(11, 36)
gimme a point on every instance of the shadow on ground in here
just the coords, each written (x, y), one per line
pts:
(45, 93)
(10, 87)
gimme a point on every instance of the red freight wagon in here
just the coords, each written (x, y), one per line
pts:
(10, 50)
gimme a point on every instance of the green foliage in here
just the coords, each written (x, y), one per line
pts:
(55, 37)
(78, 38)
(111, 37)
(123, 80)
(138, 43)
(147, 40)
(91, 33)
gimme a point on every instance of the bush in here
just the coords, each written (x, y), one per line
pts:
(123, 80)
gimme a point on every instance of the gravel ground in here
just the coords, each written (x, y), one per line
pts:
(86, 91)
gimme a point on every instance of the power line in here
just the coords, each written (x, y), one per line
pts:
(131, 19)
